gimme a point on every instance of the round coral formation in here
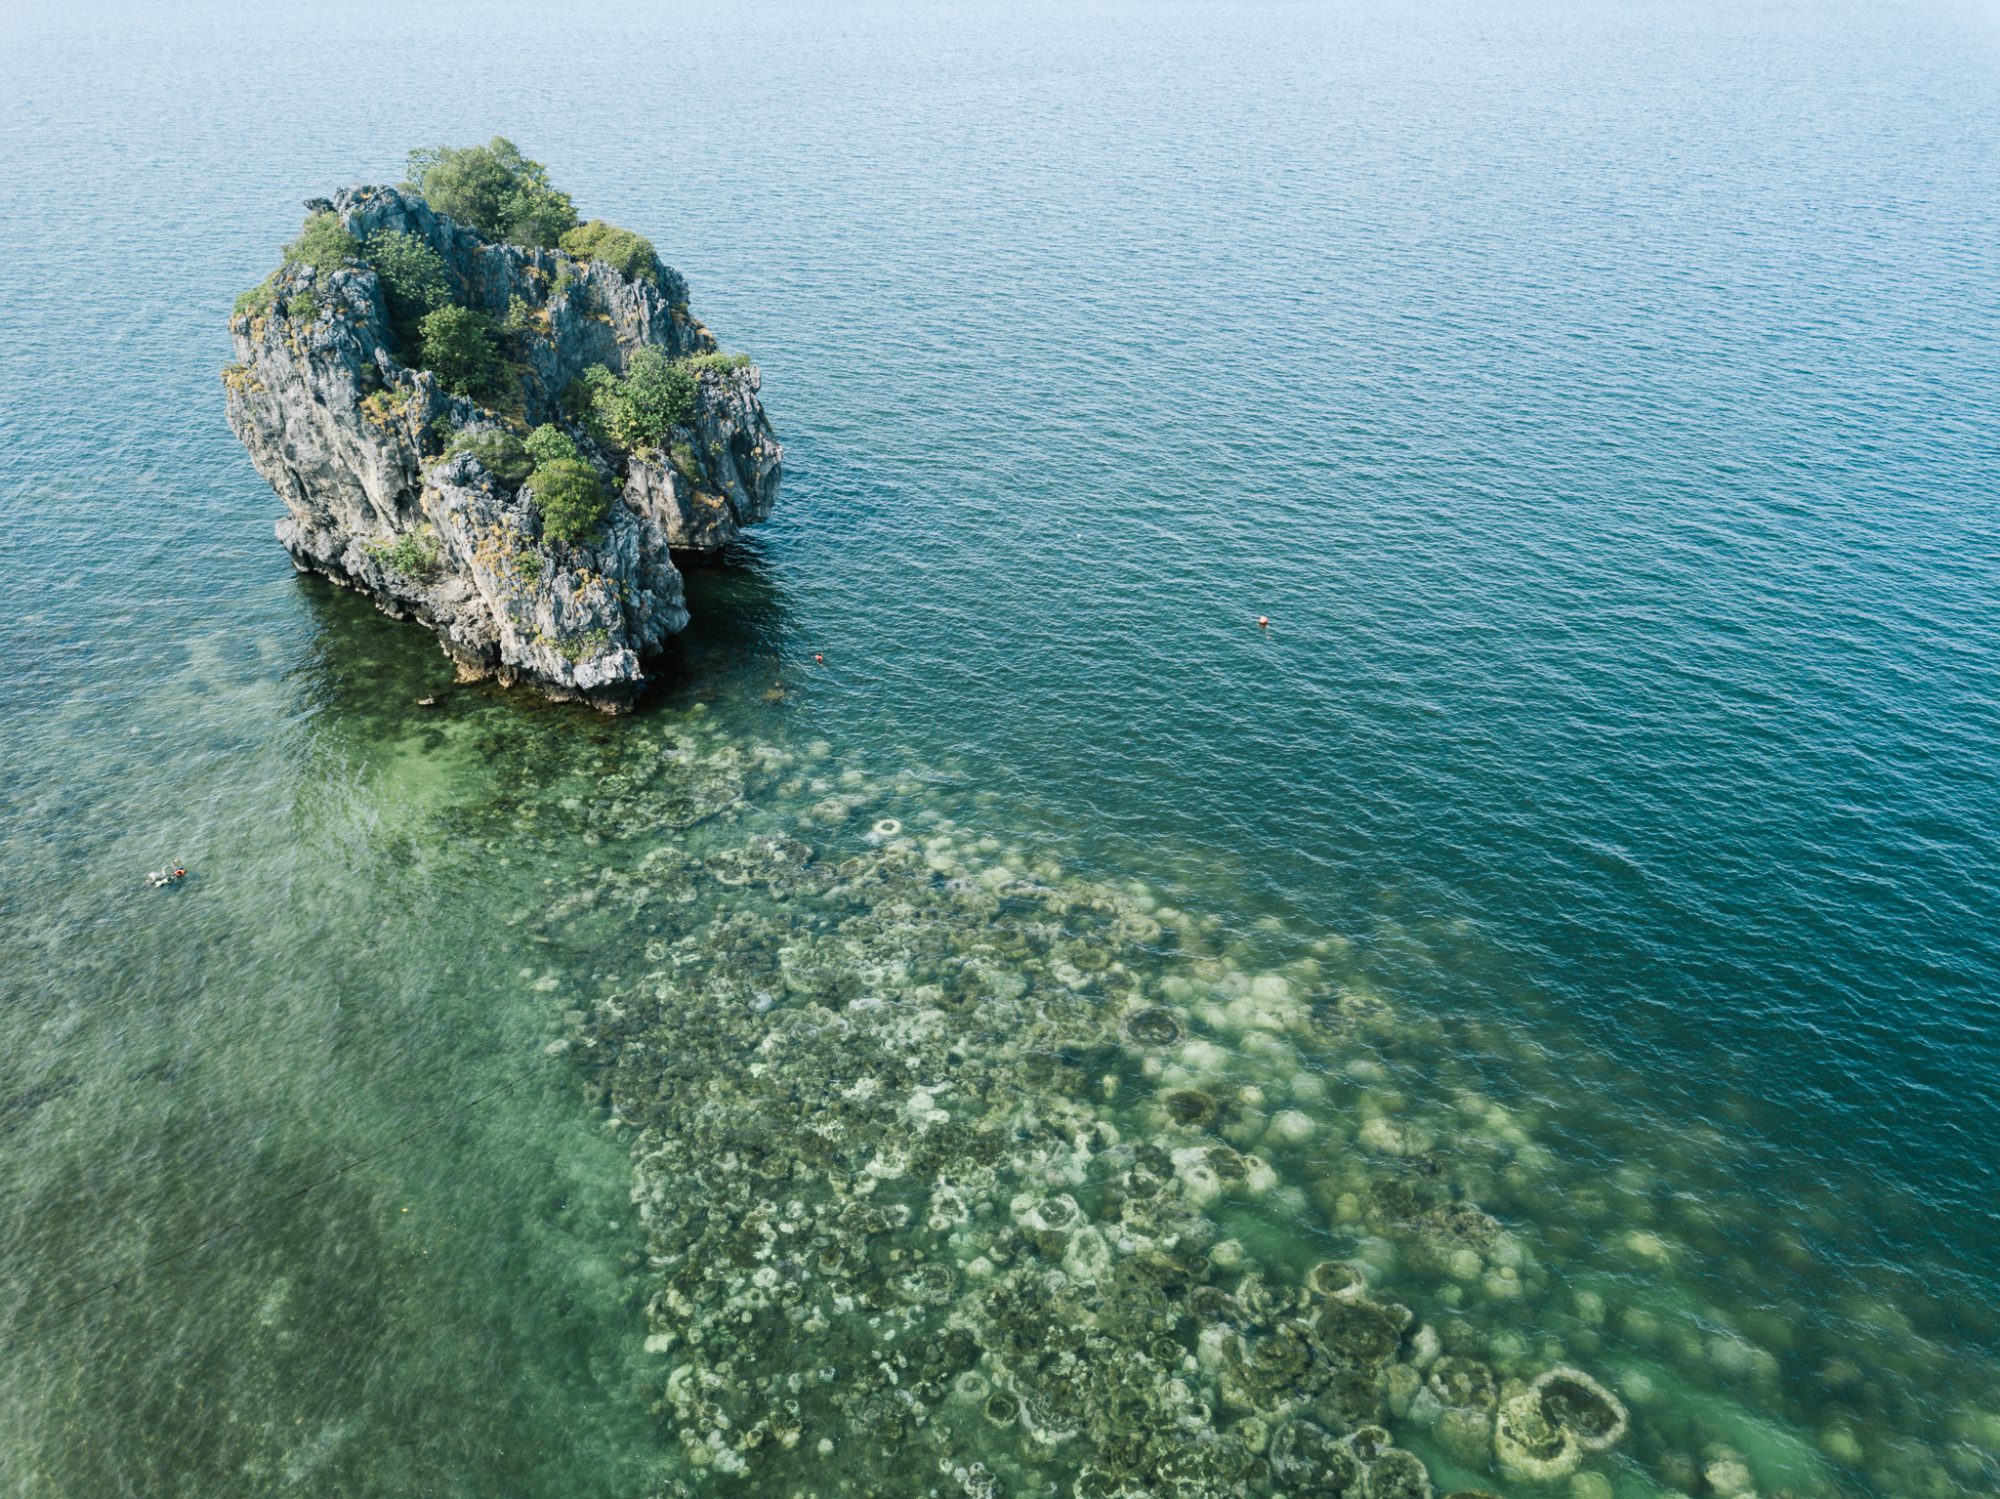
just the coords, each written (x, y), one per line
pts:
(1467, 1434)
(1462, 1382)
(1153, 1027)
(1396, 1474)
(1356, 1334)
(1573, 1400)
(1307, 1457)
(1335, 1278)
(1189, 1106)
(1531, 1447)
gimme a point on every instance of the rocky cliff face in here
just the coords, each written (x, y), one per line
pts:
(379, 496)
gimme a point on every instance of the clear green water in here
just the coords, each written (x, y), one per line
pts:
(1603, 407)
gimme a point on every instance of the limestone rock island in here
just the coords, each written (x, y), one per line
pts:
(498, 420)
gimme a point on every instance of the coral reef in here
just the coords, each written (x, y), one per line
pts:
(961, 1172)
(926, 1149)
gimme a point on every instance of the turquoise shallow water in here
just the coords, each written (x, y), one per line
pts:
(1604, 405)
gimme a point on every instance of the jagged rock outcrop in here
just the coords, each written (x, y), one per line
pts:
(379, 496)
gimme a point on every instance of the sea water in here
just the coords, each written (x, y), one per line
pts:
(1589, 871)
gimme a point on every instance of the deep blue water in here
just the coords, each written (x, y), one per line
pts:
(1602, 402)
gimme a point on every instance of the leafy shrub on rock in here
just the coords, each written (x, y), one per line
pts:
(627, 253)
(589, 398)
(502, 454)
(494, 189)
(571, 497)
(414, 554)
(521, 319)
(257, 301)
(324, 244)
(548, 444)
(415, 279)
(717, 362)
(457, 345)
(657, 395)
(641, 408)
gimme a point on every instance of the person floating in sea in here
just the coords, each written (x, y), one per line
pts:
(173, 874)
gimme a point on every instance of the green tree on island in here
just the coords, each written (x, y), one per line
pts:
(641, 408)
(459, 348)
(572, 499)
(494, 189)
(415, 279)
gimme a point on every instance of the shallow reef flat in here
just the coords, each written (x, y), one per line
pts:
(962, 1173)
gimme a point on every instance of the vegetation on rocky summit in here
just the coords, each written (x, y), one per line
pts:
(627, 253)
(256, 302)
(547, 444)
(501, 194)
(324, 244)
(494, 189)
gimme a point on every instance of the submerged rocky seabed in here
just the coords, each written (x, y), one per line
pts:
(962, 1174)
